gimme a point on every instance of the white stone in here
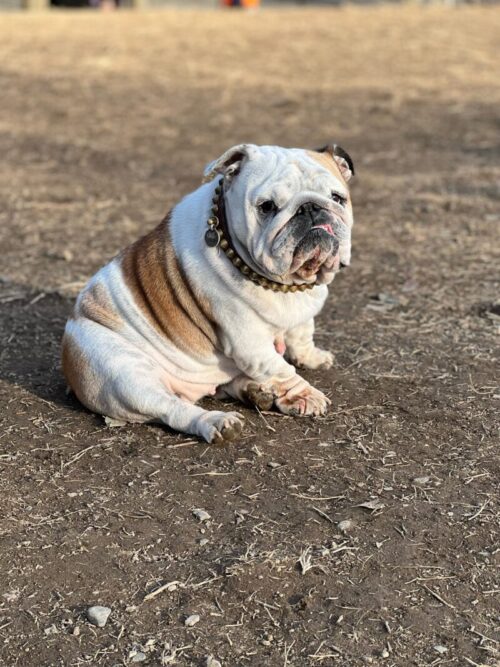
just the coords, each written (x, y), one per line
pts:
(191, 620)
(346, 525)
(422, 480)
(440, 649)
(212, 662)
(98, 615)
(201, 515)
(138, 657)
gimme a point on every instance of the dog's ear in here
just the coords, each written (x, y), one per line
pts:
(342, 158)
(229, 163)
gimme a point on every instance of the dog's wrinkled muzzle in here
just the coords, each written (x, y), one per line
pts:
(312, 232)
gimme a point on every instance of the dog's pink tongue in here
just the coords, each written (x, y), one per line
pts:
(328, 228)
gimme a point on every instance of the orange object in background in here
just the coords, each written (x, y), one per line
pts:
(241, 3)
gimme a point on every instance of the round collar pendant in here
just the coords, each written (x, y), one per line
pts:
(212, 237)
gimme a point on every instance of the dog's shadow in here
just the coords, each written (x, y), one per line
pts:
(31, 329)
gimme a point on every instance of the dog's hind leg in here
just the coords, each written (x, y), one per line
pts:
(143, 394)
(119, 381)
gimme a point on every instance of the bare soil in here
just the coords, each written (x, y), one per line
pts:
(106, 120)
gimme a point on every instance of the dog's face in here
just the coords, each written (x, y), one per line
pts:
(289, 211)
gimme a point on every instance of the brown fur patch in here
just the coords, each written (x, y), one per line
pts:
(76, 371)
(164, 295)
(327, 161)
(96, 305)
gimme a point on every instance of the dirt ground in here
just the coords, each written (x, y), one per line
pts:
(105, 122)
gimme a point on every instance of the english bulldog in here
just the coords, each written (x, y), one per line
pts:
(220, 298)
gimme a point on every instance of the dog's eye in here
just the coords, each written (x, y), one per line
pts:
(338, 199)
(268, 207)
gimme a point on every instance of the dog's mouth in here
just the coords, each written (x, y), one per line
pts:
(318, 250)
(309, 244)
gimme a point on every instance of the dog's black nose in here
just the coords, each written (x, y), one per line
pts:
(308, 207)
(342, 265)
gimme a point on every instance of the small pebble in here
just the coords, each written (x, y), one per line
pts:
(273, 464)
(375, 504)
(346, 525)
(51, 630)
(385, 653)
(76, 631)
(201, 515)
(203, 541)
(440, 649)
(191, 620)
(422, 480)
(113, 423)
(138, 657)
(212, 662)
(98, 615)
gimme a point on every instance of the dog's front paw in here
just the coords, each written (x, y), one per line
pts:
(303, 401)
(315, 358)
(259, 395)
(220, 427)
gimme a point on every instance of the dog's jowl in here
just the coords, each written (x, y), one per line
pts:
(220, 298)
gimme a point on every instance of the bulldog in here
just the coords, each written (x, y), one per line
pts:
(220, 298)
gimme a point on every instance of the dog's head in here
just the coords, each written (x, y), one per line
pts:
(288, 210)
